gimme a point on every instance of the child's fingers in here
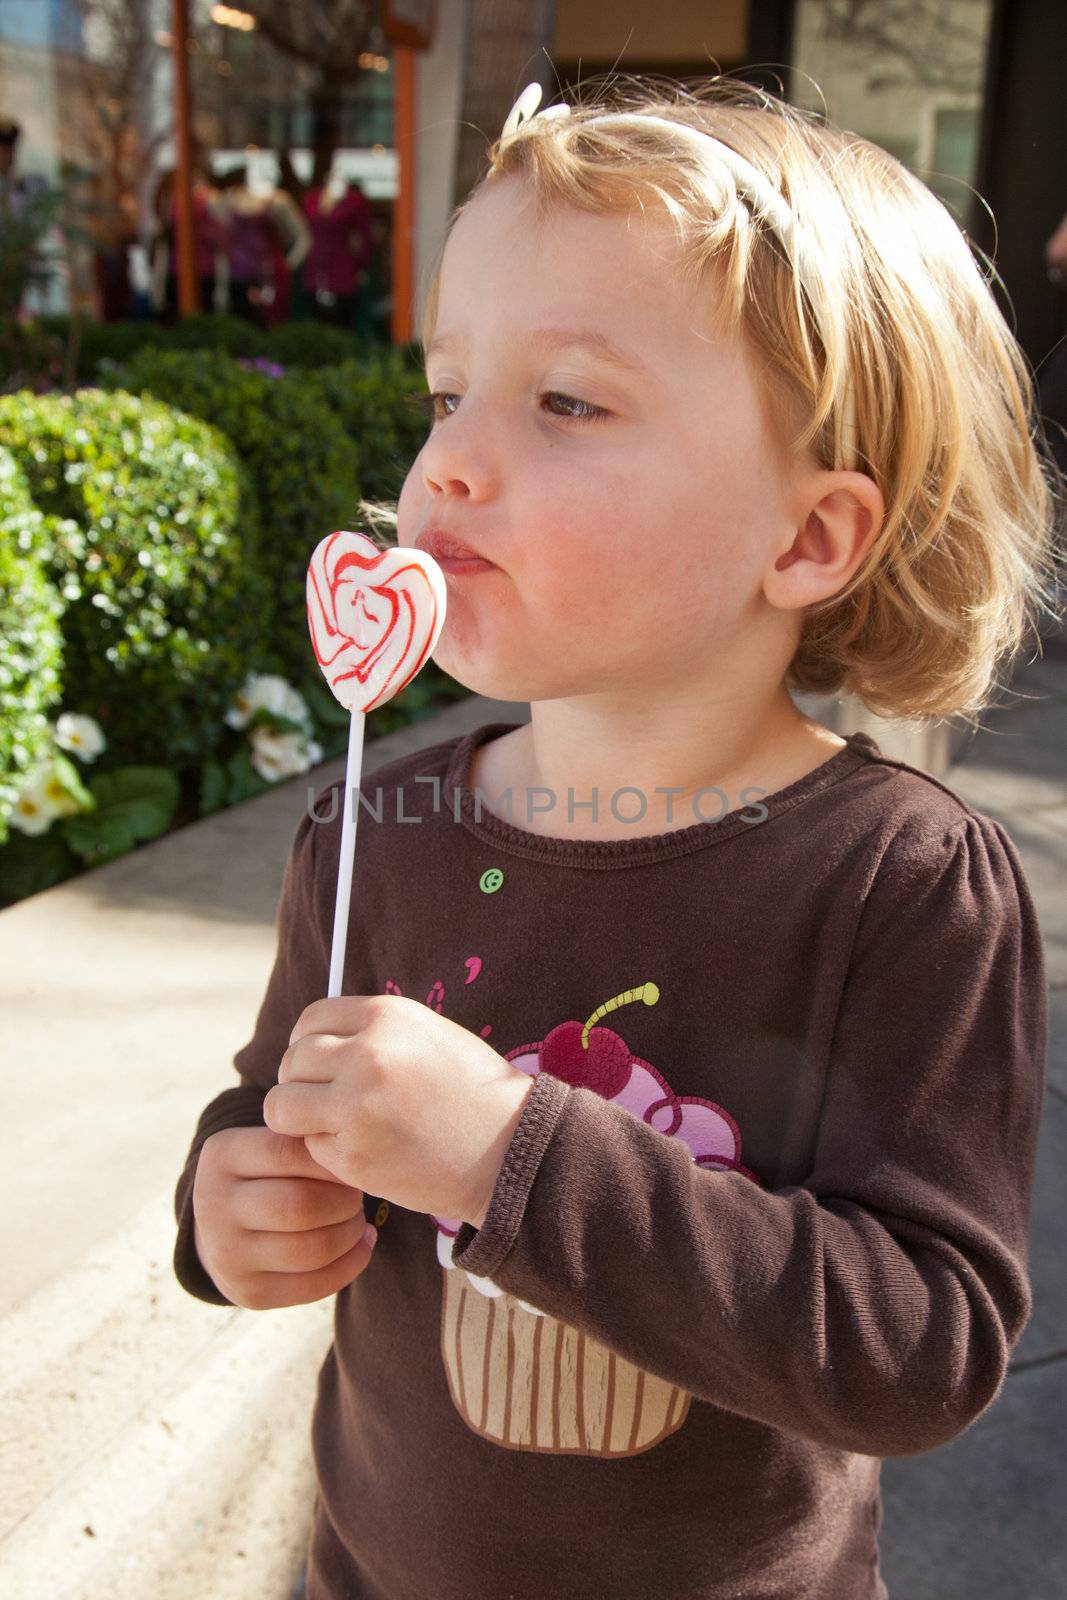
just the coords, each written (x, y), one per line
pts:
(293, 1205)
(270, 1290)
(313, 1250)
(262, 1153)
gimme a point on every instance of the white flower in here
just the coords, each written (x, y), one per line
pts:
(80, 734)
(39, 801)
(280, 755)
(266, 692)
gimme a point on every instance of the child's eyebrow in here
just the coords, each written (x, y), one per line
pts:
(595, 344)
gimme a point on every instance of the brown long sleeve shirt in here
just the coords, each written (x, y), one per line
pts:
(763, 1221)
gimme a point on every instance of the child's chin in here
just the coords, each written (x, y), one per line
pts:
(490, 685)
(474, 672)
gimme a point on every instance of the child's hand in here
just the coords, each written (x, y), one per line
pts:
(271, 1227)
(393, 1098)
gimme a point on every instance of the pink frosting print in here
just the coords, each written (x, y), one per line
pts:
(598, 1058)
(374, 616)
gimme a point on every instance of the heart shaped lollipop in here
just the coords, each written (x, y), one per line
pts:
(374, 617)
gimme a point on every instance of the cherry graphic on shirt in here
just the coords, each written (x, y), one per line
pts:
(584, 1055)
(594, 1058)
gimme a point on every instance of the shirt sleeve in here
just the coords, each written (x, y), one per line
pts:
(873, 1307)
(299, 976)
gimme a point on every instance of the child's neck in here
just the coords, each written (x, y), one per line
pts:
(563, 747)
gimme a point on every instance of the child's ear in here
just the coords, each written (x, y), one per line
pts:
(840, 516)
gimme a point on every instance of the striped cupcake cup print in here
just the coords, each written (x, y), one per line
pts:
(527, 1381)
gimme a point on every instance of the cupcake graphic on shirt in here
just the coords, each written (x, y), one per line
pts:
(519, 1376)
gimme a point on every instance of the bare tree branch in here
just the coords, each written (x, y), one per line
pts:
(326, 34)
(938, 51)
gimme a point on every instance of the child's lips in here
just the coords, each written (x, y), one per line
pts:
(447, 547)
(461, 566)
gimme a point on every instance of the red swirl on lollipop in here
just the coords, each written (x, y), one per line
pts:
(374, 616)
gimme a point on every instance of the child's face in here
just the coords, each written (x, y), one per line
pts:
(629, 548)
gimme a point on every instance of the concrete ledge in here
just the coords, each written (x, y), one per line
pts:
(163, 1445)
(155, 1445)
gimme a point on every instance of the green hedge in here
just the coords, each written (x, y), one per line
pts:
(165, 535)
(304, 343)
(31, 644)
(305, 469)
(372, 401)
(151, 535)
(366, 385)
(311, 344)
(314, 444)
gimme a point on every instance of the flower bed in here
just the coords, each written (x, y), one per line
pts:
(154, 658)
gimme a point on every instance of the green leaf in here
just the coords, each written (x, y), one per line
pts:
(323, 705)
(95, 838)
(334, 742)
(155, 785)
(261, 718)
(133, 804)
(212, 788)
(32, 862)
(245, 781)
(67, 777)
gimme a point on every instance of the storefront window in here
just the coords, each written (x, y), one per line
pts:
(909, 76)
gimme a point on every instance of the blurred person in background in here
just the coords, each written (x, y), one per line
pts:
(1056, 255)
(266, 239)
(210, 233)
(374, 298)
(1052, 376)
(17, 192)
(339, 220)
(15, 189)
(116, 238)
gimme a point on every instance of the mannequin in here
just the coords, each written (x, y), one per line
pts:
(210, 241)
(339, 220)
(256, 222)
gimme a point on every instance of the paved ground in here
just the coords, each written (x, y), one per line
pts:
(983, 1516)
(152, 1444)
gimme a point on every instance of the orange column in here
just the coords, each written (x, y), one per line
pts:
(184, 222)
(403, 242)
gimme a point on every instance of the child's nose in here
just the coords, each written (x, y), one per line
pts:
(459, 457)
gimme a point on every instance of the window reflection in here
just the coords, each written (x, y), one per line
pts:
(907, 75)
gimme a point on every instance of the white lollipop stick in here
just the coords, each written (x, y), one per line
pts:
(349, 819)
(374, 617)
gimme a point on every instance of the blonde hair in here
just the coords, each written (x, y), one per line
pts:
(893, 310)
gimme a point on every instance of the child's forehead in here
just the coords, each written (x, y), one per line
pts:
(577, 265)
(509, 209)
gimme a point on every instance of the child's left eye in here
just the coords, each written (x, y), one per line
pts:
(427, 405)
(587, 412)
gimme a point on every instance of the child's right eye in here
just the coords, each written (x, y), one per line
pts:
(424, 404)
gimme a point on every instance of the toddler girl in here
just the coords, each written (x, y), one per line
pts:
(696, 1052)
